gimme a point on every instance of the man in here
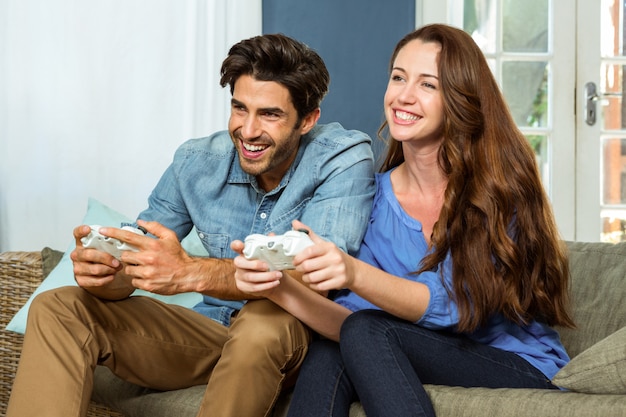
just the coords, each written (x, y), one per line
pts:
(274, 165)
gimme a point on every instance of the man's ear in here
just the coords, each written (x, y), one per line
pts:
(309, 121)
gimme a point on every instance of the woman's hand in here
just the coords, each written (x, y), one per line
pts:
(252, 276)
(323, 266)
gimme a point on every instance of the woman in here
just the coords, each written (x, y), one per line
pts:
(461, 272)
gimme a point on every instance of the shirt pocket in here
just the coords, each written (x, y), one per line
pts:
(217, 244)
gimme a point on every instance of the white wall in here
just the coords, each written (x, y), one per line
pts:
(95, 96)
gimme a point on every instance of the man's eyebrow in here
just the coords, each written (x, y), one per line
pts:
(276, 110)
(236, 102)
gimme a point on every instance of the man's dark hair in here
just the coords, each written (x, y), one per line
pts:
(278, 58)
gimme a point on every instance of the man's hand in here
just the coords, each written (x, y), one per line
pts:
(97, 271)
(161, 265)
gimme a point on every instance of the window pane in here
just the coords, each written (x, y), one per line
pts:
(539, 143)
(614, 172)
(611, 104)
(612, 43)
(525, 26)
(613, 225)
(525, 87)
(479, 20)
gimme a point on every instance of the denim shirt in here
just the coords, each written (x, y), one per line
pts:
(329, 187)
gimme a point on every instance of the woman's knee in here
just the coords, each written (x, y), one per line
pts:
(362, 325)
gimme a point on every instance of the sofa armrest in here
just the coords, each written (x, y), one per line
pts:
(20, 274)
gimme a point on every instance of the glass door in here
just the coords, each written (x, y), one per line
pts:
(601, 132)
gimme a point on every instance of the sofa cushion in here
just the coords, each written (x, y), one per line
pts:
(601, 369)
(135, 401)
(522, 402)
(50, 258)
(598, 279)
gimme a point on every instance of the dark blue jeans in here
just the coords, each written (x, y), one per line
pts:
(383, 362)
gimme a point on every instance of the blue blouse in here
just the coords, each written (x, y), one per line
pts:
(395, 243)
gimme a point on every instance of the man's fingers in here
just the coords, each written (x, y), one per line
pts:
(157, 229)
(80, 232)
(139, 239)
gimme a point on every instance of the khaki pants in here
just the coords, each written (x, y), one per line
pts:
(155, 345)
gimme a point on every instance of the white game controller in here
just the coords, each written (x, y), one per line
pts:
(277, 251)
(107, 244)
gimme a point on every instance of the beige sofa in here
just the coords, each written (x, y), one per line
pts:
(596, 377)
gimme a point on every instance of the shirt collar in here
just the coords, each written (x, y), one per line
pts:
(236, 175)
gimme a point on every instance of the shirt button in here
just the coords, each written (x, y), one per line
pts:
(263, 215)
(201, 235)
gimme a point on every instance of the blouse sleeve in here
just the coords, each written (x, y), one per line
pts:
(442, 311)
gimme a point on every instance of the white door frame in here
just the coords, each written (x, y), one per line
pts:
(588, 156)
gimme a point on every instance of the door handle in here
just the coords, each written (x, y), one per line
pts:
(591, 98)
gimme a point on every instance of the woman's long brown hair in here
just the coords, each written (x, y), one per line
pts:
(496, 221)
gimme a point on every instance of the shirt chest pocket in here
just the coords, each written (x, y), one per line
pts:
(217, 244)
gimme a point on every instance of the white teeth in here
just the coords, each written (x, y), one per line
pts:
(406, 116)
(253, 148)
